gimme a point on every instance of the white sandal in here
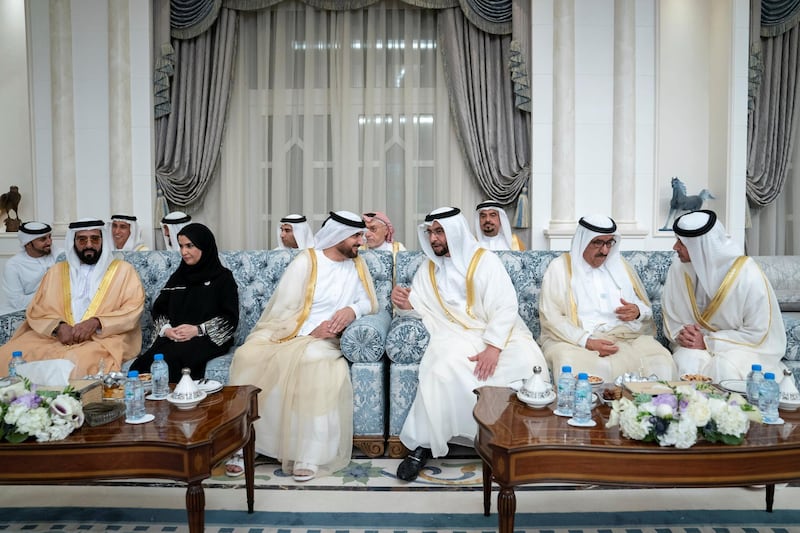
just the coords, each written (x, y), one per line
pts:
(304, 471)
(237, 461)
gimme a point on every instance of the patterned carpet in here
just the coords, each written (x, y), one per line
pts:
(366, 497)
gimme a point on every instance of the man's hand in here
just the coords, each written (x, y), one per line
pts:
(83, 331)
(486, 362)
(400, 297)
(182, 333)
(691, 336)
(341, 319)
(602, 346)
(323, 331)
(335, 326)
(627, 311)
(64, 334)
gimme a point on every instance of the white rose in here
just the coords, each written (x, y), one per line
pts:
(10, 393)
(663, 411)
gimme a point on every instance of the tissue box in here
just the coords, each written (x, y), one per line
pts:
(89, 390)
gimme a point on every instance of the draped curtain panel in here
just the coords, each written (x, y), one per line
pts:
(770, 126)
(189, 137)
(493, 132)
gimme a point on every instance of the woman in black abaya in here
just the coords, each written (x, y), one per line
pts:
(197, 311)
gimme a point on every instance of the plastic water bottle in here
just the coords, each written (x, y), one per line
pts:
(15, 362)
(160, 376)
(754, 379)
(583, 400)
(566, 391)
(769, 395)
(134, 396)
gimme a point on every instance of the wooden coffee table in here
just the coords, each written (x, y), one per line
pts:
(179, 445)
(519, 444)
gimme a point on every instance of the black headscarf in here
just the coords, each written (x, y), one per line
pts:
(209, 265)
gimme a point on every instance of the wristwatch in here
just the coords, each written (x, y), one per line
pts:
(201, 330)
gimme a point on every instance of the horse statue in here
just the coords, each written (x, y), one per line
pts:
(680, 202)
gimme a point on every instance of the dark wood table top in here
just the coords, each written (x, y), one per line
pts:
(525, 445)
(216, 428)
(516, 426)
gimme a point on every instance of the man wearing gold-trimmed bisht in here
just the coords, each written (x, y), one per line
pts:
(594, 311)
(293, 354)
(87, 308)
(720, 311)
(468, 304)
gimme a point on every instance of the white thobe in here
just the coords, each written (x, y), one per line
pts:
(21, 277)
(741, 325)
(442, 408)
(337, 287)
(498, 242)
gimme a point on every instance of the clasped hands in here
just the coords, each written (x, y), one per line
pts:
(80, 332)
(691, 336)
(626, 312)
(181, 333)
(334, 327)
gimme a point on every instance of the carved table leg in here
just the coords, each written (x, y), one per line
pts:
(196, 507)
(249, 469)
(770, 496)
(487, 489)
(506, 507)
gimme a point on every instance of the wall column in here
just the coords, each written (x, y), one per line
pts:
(562, 218)
(119, 108)
(62, 114)
(624, 148)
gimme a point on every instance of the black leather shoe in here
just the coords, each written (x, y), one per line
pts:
(413, 463)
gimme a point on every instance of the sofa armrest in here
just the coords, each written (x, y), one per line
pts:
(407, 340)
(9, 323)
(363, 341)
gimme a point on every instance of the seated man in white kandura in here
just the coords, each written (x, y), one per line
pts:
(720, 312)
(594, 311)
(469, 306)
(293, 354)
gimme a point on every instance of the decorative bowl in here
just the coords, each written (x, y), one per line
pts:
(537, 400)
(186, 404)
(596, 382)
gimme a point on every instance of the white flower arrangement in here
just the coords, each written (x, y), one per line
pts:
(46, 415)
(680, 417)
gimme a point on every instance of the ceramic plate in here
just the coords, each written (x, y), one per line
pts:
(734, 385)
(209, 386)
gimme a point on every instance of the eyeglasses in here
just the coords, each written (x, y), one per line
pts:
(83, 239)
(599, 243)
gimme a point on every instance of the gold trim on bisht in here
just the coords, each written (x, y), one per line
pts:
(769, 325)
(473, 265)
(66, 297)
(102, 290)
(309, 297)
(722, 293)
(573, 306)
(98, 296)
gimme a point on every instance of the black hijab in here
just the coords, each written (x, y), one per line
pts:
(209, 265)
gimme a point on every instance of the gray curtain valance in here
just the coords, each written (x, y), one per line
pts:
(190, 18)
(778, 16)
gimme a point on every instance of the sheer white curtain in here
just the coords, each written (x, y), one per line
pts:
(336, 110)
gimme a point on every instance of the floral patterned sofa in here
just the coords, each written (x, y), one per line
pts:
(408, 337)
(257, 273)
